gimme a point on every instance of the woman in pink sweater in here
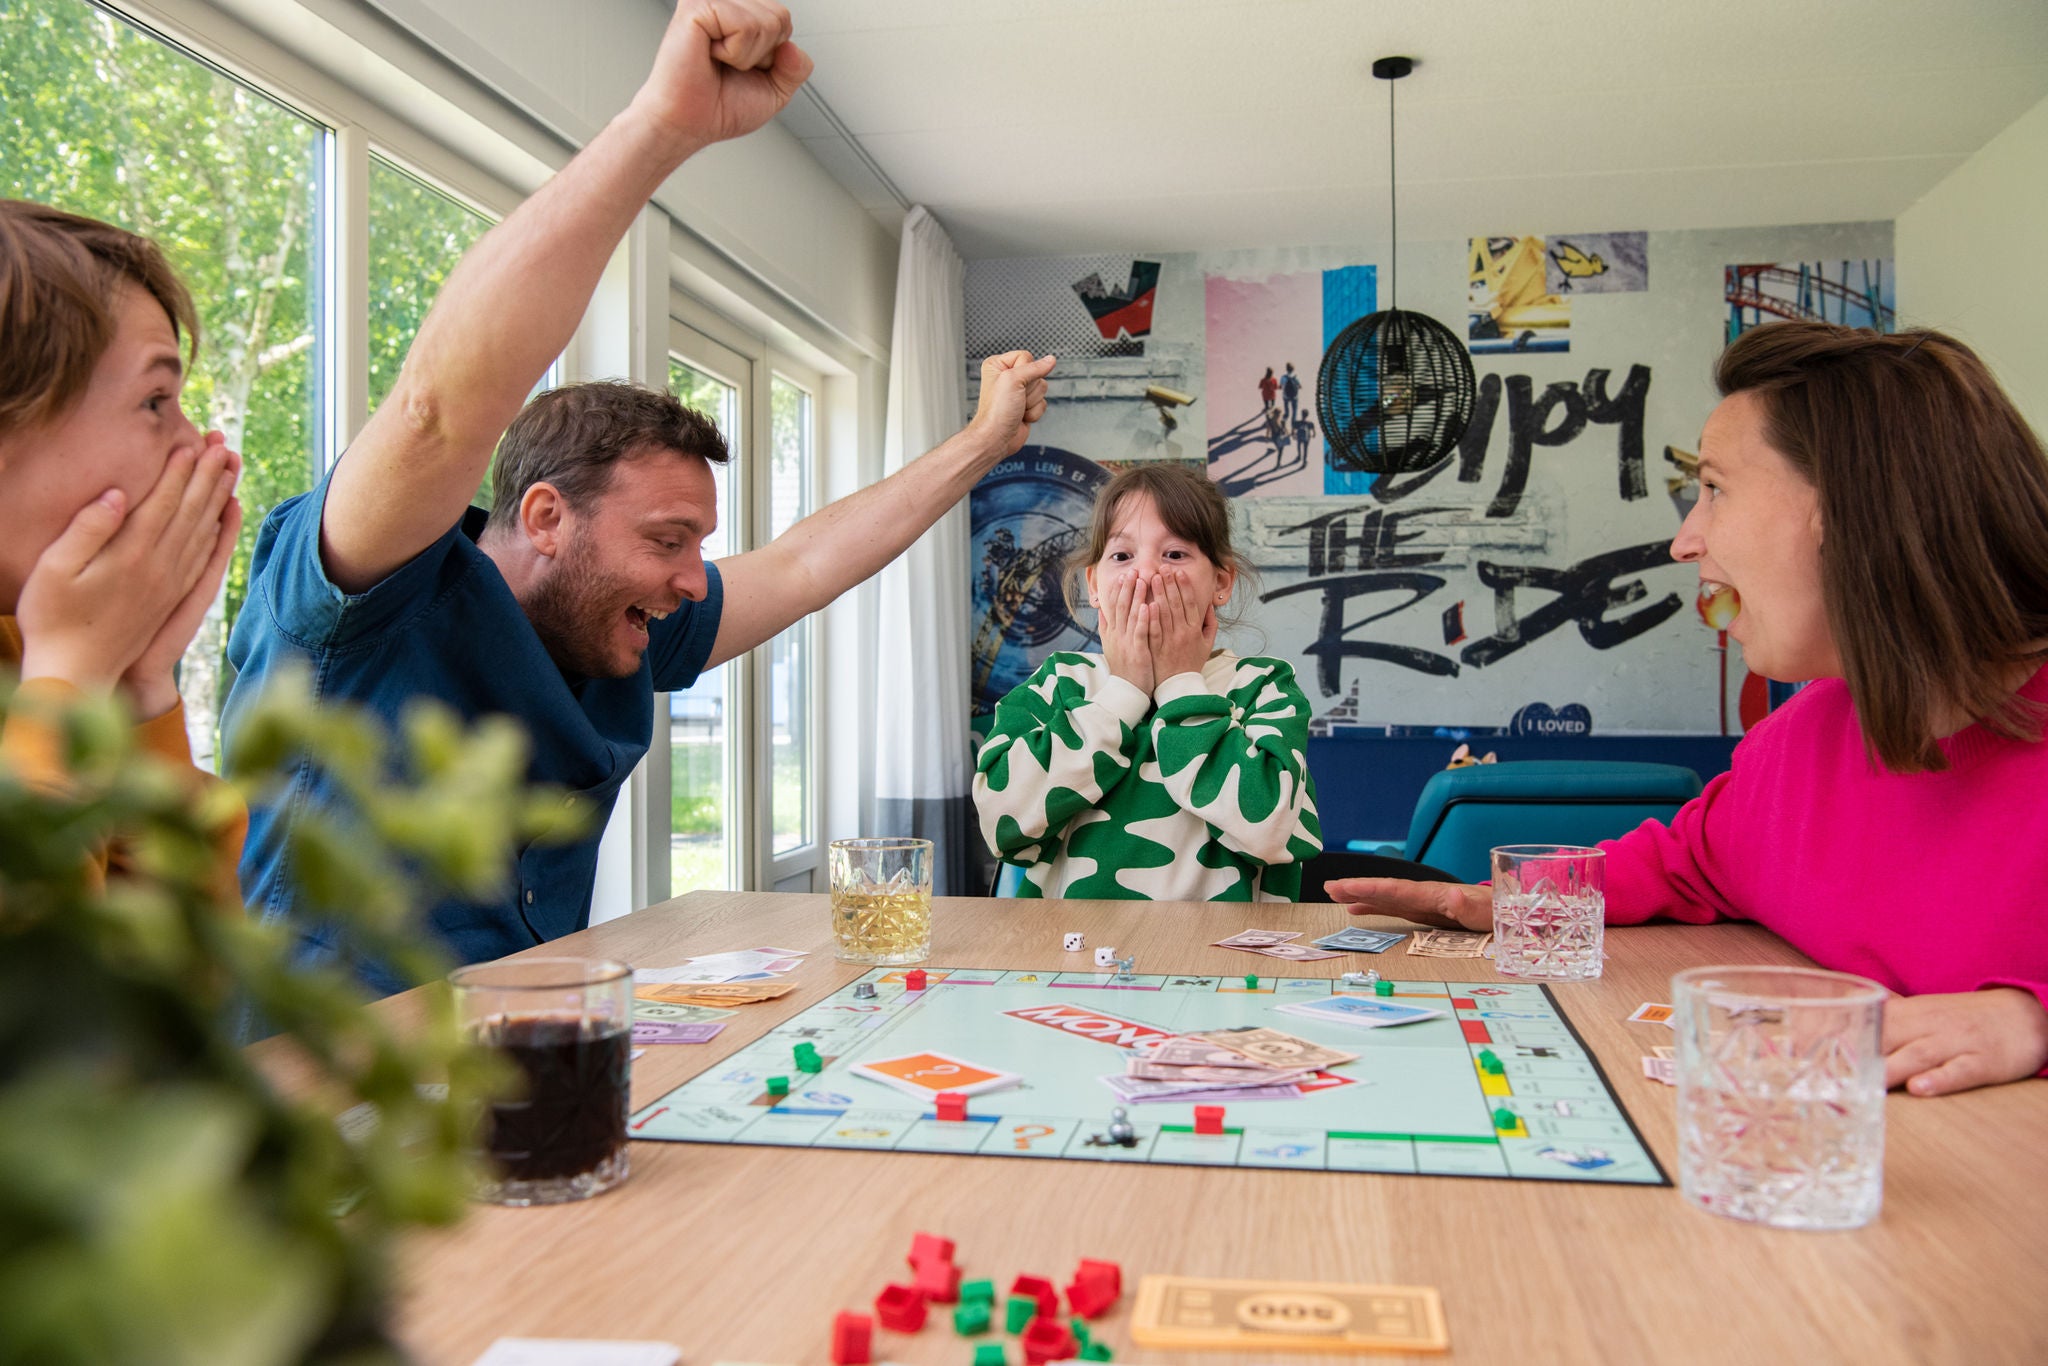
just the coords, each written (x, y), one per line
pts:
(1879, 512)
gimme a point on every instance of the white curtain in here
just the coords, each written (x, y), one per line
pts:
(923, 763)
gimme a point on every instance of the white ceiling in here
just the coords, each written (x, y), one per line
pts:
(1066, 126)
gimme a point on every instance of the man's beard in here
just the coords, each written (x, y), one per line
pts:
(575, 611)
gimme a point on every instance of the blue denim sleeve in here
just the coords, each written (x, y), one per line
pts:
(678, 646)
(288, 573)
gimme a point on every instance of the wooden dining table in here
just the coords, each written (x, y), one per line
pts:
(744, 1254)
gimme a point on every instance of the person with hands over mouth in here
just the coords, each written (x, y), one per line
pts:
(1876, 510)
(122, 515)
(1162, 769)
(584, 590)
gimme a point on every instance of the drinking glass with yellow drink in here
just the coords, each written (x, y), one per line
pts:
(882, 900)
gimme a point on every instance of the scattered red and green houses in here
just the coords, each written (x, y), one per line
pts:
(1031, 1310)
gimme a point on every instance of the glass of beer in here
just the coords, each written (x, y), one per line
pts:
(565, 1025)
(882, 900)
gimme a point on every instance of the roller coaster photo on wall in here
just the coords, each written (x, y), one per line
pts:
(1852, 293)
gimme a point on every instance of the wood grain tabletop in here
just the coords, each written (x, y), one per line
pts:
(745, 1253)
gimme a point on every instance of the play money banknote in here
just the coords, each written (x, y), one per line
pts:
(715, 993)
(675, 1031)
(1448, 944)
(1219, 1076)
(1277, 1048)
(1188, 1312)
(667, 1010)
(1192, 1050)
(1358, 940)
(1293, 953)
(1256, 939)
(1135, 1092)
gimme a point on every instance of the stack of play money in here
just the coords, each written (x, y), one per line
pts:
(1244, 1064)
(1274, 944)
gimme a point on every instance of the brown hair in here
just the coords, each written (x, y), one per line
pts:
(572, 436)
(60, 279)
(1189, 503)
(1934, 515)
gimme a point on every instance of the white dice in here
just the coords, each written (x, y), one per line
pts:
(1105, 958)
(1075, 943)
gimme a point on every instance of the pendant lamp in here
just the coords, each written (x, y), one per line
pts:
(1395, 388)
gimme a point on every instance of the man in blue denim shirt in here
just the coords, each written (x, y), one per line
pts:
(585, 590)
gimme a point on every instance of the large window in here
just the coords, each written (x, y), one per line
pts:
(742, 757)
(701, 758)
(101, 119)
(302, 337)
(417, 234)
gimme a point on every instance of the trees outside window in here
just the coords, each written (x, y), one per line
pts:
(107, 120)
(417, 234)
(101, 119)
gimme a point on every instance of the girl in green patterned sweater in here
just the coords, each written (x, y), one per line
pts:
(1162, 769)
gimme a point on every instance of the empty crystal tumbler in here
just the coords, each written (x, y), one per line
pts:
(1549, 911)
(882, 900)
(1780, 1095)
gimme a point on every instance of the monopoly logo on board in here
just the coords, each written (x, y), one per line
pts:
(1090, 1024)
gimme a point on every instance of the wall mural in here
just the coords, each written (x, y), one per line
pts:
(1597, 263)
(1265, 341)
(1028, 515)
(1521, 586)
(1368, 554)
(1510, 305)
(1122, 314)
(1853, 293)
(1071, 306)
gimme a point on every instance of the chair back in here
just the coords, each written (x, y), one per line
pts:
(1464, 813)
(1340, 863)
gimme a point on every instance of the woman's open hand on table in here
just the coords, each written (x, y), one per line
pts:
(1956, 1040)
(1446, 905)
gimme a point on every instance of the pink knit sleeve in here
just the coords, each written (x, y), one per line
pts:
(1659, 870)
(2038, 990)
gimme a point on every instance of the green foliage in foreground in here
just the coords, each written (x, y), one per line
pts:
(160, 1202)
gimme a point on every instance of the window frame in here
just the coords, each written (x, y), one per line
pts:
(714, 356)
(805, 862)
(745, 358)
(356, 126)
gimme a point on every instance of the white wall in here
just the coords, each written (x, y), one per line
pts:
(1970, 252)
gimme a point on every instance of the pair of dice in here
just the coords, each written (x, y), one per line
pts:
(1105, 956)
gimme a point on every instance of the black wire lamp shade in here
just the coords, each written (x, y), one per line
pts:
(1395, 389)
(1395, 394)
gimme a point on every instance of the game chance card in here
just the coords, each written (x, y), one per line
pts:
(1364, 1012)
(926, 1074)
